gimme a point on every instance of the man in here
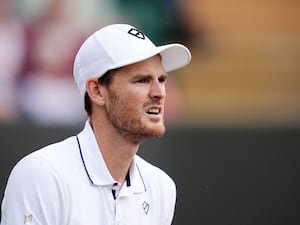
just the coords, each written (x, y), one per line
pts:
(96, 178)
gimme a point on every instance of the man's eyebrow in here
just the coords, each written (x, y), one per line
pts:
(148, 76)
(139, 76)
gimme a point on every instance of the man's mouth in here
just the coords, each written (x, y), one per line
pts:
(154, 111)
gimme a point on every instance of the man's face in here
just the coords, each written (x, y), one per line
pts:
(136, 96)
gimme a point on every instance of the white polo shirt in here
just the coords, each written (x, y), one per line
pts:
(68, 183)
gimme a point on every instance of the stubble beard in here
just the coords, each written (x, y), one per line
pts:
(128, 123)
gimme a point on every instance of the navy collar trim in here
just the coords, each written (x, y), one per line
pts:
(80, 151)
(128, 182)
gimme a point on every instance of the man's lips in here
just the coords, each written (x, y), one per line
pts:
(154, 110)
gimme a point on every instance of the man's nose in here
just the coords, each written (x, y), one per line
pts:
(158, 90)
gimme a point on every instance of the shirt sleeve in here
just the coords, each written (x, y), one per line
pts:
(34, 195)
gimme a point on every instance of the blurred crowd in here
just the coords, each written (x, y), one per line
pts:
(38, 43)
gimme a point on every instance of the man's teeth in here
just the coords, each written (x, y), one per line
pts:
(153, 111)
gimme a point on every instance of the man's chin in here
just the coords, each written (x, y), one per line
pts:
(139, 135)
(156, 131)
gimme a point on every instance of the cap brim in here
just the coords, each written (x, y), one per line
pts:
(174, 56)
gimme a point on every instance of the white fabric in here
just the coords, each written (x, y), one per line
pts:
(118, 45)
(59, 185)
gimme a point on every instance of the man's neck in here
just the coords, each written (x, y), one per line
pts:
(117, 152)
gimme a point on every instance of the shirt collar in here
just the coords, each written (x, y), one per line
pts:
(96, 168)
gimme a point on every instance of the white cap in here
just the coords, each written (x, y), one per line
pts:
(118, 45)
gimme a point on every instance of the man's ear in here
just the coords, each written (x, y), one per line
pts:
(95, 91)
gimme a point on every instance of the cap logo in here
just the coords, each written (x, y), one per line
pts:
(135, 32)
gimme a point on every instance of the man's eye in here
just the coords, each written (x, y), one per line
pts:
(162, 80)
(143, 81)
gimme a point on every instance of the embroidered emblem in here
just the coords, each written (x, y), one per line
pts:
(28, 218)
(135, 32)
(146, 207)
